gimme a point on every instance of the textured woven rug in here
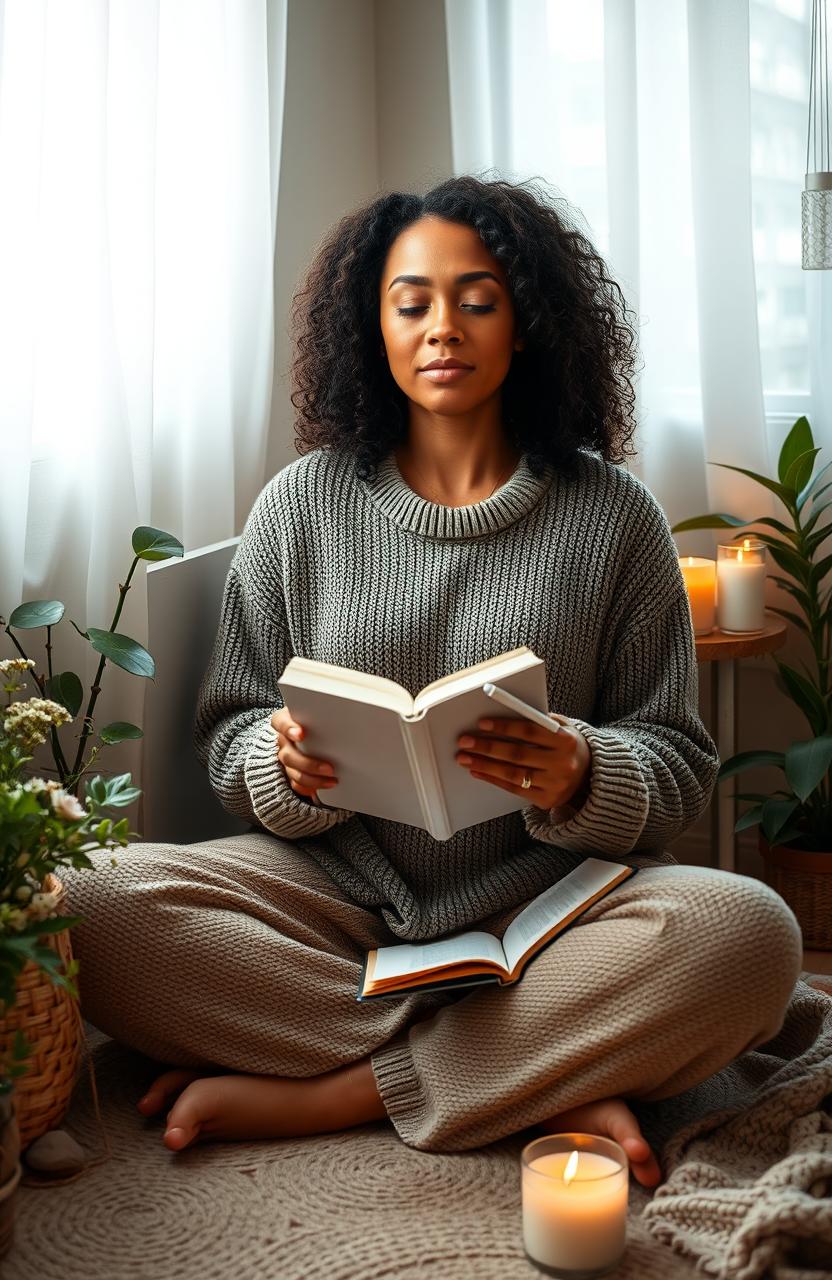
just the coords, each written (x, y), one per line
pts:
(747, 1158)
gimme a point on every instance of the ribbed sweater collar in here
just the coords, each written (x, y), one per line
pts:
(392, 495)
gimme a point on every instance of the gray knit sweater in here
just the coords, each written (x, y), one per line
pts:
(370, 575)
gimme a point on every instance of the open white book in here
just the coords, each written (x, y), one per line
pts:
(395, 755)
(469, 959)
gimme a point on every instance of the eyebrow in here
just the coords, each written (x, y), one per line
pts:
(465, 278)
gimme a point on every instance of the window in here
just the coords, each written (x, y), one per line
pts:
(780, 38)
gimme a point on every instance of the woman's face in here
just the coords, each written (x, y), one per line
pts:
(428, 313)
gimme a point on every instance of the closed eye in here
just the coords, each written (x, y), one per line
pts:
(411, 311)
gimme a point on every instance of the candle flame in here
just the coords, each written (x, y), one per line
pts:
(690, 560)
(571, 1168)
(747, 544)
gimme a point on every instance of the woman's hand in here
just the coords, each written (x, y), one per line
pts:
(503, 750)
(304, 773)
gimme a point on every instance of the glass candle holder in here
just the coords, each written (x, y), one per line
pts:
(574, 1189)
(700, 583)
(741, 586)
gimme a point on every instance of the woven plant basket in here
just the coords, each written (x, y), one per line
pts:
(803, 877)
(10, 1170)
(49, 1019)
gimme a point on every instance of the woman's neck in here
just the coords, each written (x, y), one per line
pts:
(461, 477)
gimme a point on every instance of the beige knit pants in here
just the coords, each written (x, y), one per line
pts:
(241, 953)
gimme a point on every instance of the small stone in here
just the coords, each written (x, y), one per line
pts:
(55, 1152)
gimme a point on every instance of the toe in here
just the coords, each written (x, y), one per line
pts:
(163, 1087)
(185, 1118)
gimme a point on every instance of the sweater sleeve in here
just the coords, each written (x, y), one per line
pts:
(653, 765)
(233, 734)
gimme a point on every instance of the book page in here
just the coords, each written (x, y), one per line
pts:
(555, 903)
(345, 682)
(496, 669)
(409, 957)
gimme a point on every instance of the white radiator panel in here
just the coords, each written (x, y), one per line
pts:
(183, 601)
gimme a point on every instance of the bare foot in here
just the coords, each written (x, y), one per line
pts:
(237, 1106)
(610, 1118)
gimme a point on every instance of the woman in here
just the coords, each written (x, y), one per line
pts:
(433, 521)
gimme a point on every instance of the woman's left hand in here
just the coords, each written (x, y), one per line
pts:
(505, 749)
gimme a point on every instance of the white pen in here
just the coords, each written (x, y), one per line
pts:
(522, 708)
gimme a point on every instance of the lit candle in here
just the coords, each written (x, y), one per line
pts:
(574, 1188)
(740, 586)
(700, 583)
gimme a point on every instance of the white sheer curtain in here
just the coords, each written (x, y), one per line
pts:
(637, 113)
(139, 161)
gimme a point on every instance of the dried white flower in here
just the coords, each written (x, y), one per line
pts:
(67, 806)
(15, 664)
(43, 904)
(30, 721)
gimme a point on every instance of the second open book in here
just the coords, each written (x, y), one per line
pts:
(474, 957)
(394, 755)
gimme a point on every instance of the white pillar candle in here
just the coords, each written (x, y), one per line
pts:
(741, 586)
(700, 583)
(575, 1203)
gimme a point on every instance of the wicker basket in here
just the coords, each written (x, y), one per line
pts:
(803, 877)
(49, 1019)
(10, 1170)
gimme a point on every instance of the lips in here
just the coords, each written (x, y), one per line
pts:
(444, 374)
(445, 364)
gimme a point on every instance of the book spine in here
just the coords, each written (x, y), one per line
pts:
(419, 747)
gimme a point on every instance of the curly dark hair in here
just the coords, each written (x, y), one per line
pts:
(568, 390)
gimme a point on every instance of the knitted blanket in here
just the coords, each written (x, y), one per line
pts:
(747, 1156)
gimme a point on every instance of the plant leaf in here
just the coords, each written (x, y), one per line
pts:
(36, 613)
(798, 442)
(718, 520)
(799, 594)
(791, 831)
(817, 512)
(815, 539)
(788, 559)
(807, 492)
(66, 689)
(748, 759)
(800, 470)
(807, 697)
(119, 731)
(752, 815)
(785, 495)
(819, 571)
(123, 651)
(807, 764)
(792, 617)
(776, 814)
(792, 534)
(155, 544)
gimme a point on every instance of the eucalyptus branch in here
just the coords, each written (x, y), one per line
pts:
(95, 688)
(37, 679)
(58, 755)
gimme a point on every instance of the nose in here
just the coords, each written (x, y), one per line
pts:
(445, 324)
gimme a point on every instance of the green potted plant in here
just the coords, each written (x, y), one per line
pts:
(795, 821)
(43, 826)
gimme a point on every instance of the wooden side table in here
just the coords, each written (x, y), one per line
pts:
(725, 650)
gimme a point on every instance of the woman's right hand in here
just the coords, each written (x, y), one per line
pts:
(305, 774)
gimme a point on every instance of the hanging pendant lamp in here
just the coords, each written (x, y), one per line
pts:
(816, 199)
